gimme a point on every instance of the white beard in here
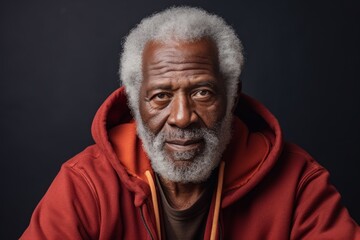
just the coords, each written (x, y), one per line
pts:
(197, 170)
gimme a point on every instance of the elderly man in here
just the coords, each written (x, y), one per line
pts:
(182, 165)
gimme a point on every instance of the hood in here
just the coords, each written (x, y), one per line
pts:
(255, 146)
(254, 149)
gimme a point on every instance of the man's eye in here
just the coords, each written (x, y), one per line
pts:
(202, 94)
(161, 96)
(160, 100)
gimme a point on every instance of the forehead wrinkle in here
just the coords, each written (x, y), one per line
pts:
(169, 64)
(184, 69)
(178, 61)
(173, 55)
(199, 65)
(164, 82)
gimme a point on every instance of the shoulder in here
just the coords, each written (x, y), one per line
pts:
(297, 166)
(92, 167)
(318, 212)
(84, 158)
(294, 155)
(311, 176)
(91, 160)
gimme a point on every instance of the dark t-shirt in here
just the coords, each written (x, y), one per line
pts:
(185, 224)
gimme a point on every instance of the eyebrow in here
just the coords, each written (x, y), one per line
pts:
(206, 83)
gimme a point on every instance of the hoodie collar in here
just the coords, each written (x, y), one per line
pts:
(252, 152)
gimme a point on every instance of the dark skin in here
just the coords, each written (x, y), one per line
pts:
(181, 88)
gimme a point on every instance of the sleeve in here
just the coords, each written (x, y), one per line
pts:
(319, 213)
(67, 211)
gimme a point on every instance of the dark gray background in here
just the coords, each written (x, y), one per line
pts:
(59, 61)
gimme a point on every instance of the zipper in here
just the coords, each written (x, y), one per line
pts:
(146, 226)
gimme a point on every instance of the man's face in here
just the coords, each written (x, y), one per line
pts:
(182, 106)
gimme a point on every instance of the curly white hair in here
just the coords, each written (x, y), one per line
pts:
(184, 24)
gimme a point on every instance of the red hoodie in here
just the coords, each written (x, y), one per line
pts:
(269, 190)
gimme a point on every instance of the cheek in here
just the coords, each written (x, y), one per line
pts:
(212, 114)
(153, 119)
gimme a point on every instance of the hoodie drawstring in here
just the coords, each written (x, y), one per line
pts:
(155, 201)
(217, 201)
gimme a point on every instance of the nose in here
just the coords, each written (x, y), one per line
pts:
(182, 112)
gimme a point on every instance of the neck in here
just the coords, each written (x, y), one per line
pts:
(182, 195)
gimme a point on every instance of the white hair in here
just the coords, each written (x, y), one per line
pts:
(183, 24)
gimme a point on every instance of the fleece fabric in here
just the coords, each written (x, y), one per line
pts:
(271, 189)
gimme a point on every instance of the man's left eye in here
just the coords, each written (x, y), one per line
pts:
(202, 94)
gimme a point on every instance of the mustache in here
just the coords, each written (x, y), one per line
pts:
(189, 134)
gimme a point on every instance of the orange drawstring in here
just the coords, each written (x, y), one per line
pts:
(155, 202)
(217, 201)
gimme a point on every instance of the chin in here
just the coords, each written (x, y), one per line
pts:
(189, 163)
(183, 156)
(182, 163)
(195, 169)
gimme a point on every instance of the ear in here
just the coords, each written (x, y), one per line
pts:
(237, 97)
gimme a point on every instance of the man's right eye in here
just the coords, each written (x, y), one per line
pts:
(161, 96)
(160, 99)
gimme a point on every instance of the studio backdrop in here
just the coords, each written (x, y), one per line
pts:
(59, 61)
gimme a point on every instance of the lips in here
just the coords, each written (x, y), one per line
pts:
(181, 145)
